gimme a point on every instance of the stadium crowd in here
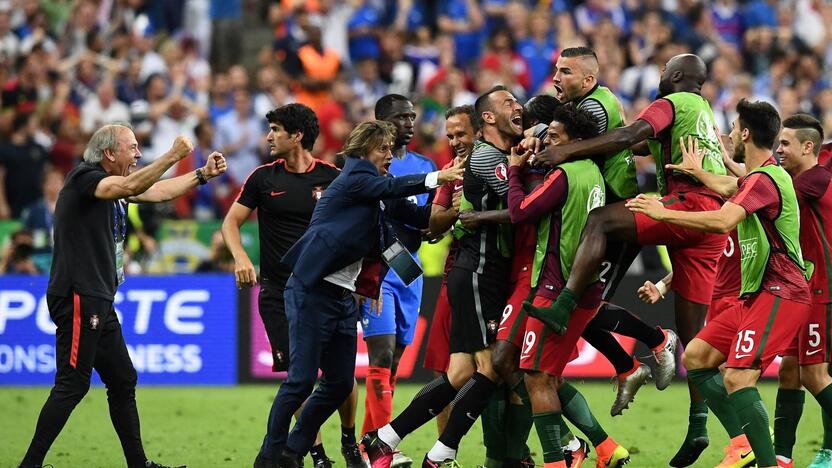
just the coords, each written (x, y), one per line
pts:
(543, 194)
(173, 67)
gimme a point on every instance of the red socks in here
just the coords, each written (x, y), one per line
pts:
(378, 403)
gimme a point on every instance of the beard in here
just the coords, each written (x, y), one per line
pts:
(739, 153)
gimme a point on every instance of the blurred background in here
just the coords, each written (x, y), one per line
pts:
(211, 69)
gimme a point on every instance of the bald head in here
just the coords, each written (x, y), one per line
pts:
(684, 72)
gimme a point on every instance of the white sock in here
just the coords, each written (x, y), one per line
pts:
(783, 459)
(573, 444)
(441, 452)
(389, 436)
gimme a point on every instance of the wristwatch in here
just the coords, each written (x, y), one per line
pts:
(201, 177)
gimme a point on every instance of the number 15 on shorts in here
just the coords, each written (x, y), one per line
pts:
(745, 344)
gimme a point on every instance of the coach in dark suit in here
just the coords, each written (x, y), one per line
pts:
(339, 254)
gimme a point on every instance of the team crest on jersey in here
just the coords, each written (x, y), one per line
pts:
(317, 192)
(501, 171)
(596, 198)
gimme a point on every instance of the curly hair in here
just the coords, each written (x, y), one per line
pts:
(539, 109)
(297, 118)
(577, 123)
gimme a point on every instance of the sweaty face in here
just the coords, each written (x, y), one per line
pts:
(789, 149)
(460, 134)
(280, 141)
(508, 113)
(381, 156)
(127, 152)
(569, 79)
(556, 135)
(403, 117)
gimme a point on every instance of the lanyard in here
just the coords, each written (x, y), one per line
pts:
(119, 221)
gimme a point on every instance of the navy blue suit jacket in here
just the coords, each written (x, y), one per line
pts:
(348, 225)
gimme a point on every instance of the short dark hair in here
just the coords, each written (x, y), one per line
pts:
(807, 128)
(578, 123)
(578, 52)
(468, 110)
(384, 106)
(482, 103)
(539, 109)
(761, 119)
(297, 118)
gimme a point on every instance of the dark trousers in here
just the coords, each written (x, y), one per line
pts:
(323, 334)
(88, 337)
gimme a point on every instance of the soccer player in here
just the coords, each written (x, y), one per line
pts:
(90, 227)
(389, 324)
(798, 146)
(680, 112)
(561, 205)
(284, 193)
(461, 127)
(764, 209)
(575, 81)
(476, 287)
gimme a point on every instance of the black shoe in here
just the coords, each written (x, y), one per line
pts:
(289, 460)
(352, 456)
(152, 464)
(323, 462)
(261, 462)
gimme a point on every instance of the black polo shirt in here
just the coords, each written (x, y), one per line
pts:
(86, 230)
(284, 201)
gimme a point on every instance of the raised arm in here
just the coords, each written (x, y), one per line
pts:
(610, 142)
(166, 190)
(118, 187)
(722, 221)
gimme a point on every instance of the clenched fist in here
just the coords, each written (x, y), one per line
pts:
(181, 147)
(215, 165)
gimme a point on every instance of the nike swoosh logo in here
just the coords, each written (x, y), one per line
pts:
(747, 454)
(501, 329)
(469, 416)
(740, 356)
(809, 353)
(277, 194)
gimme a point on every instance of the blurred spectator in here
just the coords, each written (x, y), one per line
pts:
(17, 259)
(209, 201)
(538, 49)
(37, 218)
(239, 137)
(219, 260)
(226, 34)
(9, 43)
(318, 66)
(103, 108)
(22, 161)
(464, 20)
(367, 85)
(501, 57)
(363, 29)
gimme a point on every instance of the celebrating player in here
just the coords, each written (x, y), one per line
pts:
(764, 209)
(680, 112)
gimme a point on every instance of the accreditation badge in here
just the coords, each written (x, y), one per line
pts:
(120, 262)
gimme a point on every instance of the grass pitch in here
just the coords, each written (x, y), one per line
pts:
(206, 427)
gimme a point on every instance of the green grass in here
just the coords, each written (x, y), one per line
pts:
(223, 427)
